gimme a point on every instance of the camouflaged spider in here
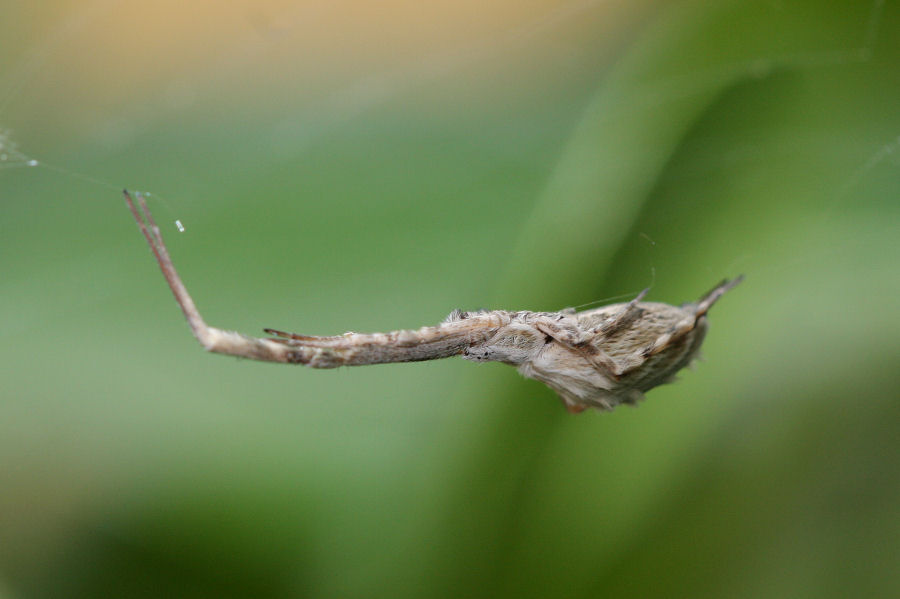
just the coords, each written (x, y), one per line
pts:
(596, 358)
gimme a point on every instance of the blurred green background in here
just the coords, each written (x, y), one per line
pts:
(372, 166)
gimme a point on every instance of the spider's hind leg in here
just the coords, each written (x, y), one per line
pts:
(706, 302)
(697, 312)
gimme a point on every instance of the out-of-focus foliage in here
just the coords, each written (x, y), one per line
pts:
(372, 166)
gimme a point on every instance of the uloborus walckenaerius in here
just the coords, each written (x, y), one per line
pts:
(596, 358)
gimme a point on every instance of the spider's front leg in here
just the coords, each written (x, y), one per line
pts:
(450, 338)
(211, 338)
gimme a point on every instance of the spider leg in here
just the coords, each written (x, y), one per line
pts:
(686, 325)
(286, 336)
(580, 340)
(278, 333)
(706, 302)
(577, 340)
(350, 349)
(681, 328)
(564, 330)
(628, 313)
(212, 339)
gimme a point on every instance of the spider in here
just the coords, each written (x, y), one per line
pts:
(597, 358)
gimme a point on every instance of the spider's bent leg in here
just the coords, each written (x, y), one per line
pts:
(565, 330)
(628, 313)
(706, 302)
(351, 349)
(212, 339)
(578, 340)
(686, 325)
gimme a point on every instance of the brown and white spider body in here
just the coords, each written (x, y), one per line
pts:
(596, 358)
